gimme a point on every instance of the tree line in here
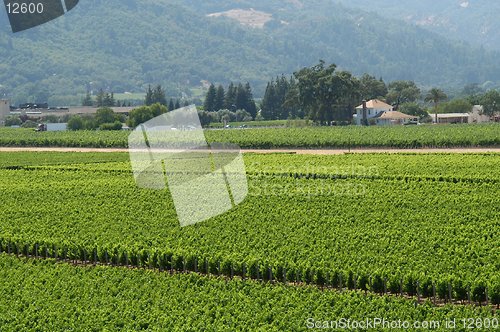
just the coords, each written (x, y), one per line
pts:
(234, 98)
(103, 99)
(319, 93)
(323, 94)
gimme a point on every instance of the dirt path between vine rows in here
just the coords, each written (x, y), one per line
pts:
(295, 151)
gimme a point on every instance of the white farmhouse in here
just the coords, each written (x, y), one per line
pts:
(374, 108)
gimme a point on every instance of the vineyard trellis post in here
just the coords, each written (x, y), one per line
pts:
(449, 292)
(434, 291)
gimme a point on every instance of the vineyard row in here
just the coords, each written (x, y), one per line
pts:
(447, 290)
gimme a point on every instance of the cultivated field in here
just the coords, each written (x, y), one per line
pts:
(47, 296)
(423, 225)
(268, 138)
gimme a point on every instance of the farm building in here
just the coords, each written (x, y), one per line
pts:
(451, 118)
(474, 116)
(393, 118)
(377, 112)
(4, 110)
(62, 111)
(371, 109)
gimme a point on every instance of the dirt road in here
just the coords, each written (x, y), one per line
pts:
(296, 151)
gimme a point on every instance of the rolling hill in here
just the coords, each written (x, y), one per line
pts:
(473, 21)
(126, 45)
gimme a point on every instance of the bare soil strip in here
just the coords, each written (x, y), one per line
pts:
(293, 151)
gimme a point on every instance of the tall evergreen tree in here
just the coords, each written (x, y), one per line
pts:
(100, 98)
(219, 98)
(276, 103)
(149, 97)
(171, 105)
(250, 106)
(87, 101)
(209, 104)
(177, 104)
(159, 96)
(109, 99)
(241, 97)
(268, 102)
(282, 87)
(292, 100)
(230, 100)
(155, 96)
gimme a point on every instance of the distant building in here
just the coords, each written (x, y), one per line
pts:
(474, 116)
(451, 118)
(4, 111)
(374, 107)
(393, 118)
(62, 111)
(377, 112)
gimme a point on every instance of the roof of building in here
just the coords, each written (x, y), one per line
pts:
(72, 110)
(453, 115)
(376, 104)
(394, 115)
(92, 110)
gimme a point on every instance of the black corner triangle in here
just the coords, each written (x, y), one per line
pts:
(70, 4)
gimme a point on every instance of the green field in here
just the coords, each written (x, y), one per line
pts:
(47, 296)
(265, 138)
(377, 222)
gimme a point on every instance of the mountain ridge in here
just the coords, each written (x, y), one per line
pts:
(126, 45)
(475, 22)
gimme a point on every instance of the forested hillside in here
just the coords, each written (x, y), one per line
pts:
(126, 45)
(473, 21)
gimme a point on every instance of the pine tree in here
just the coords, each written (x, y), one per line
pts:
(291, 102)
(268, 110)
(171, 105)
(250, 106)
(219, 98)
(209, 104)
(100, 98)
(241, 98)
(278, 102)
(177, 104)
(87, 101)
(159, 96)
(109, 100)
(282, 90)
(112, 101)
(149, 96)
(230, 99)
